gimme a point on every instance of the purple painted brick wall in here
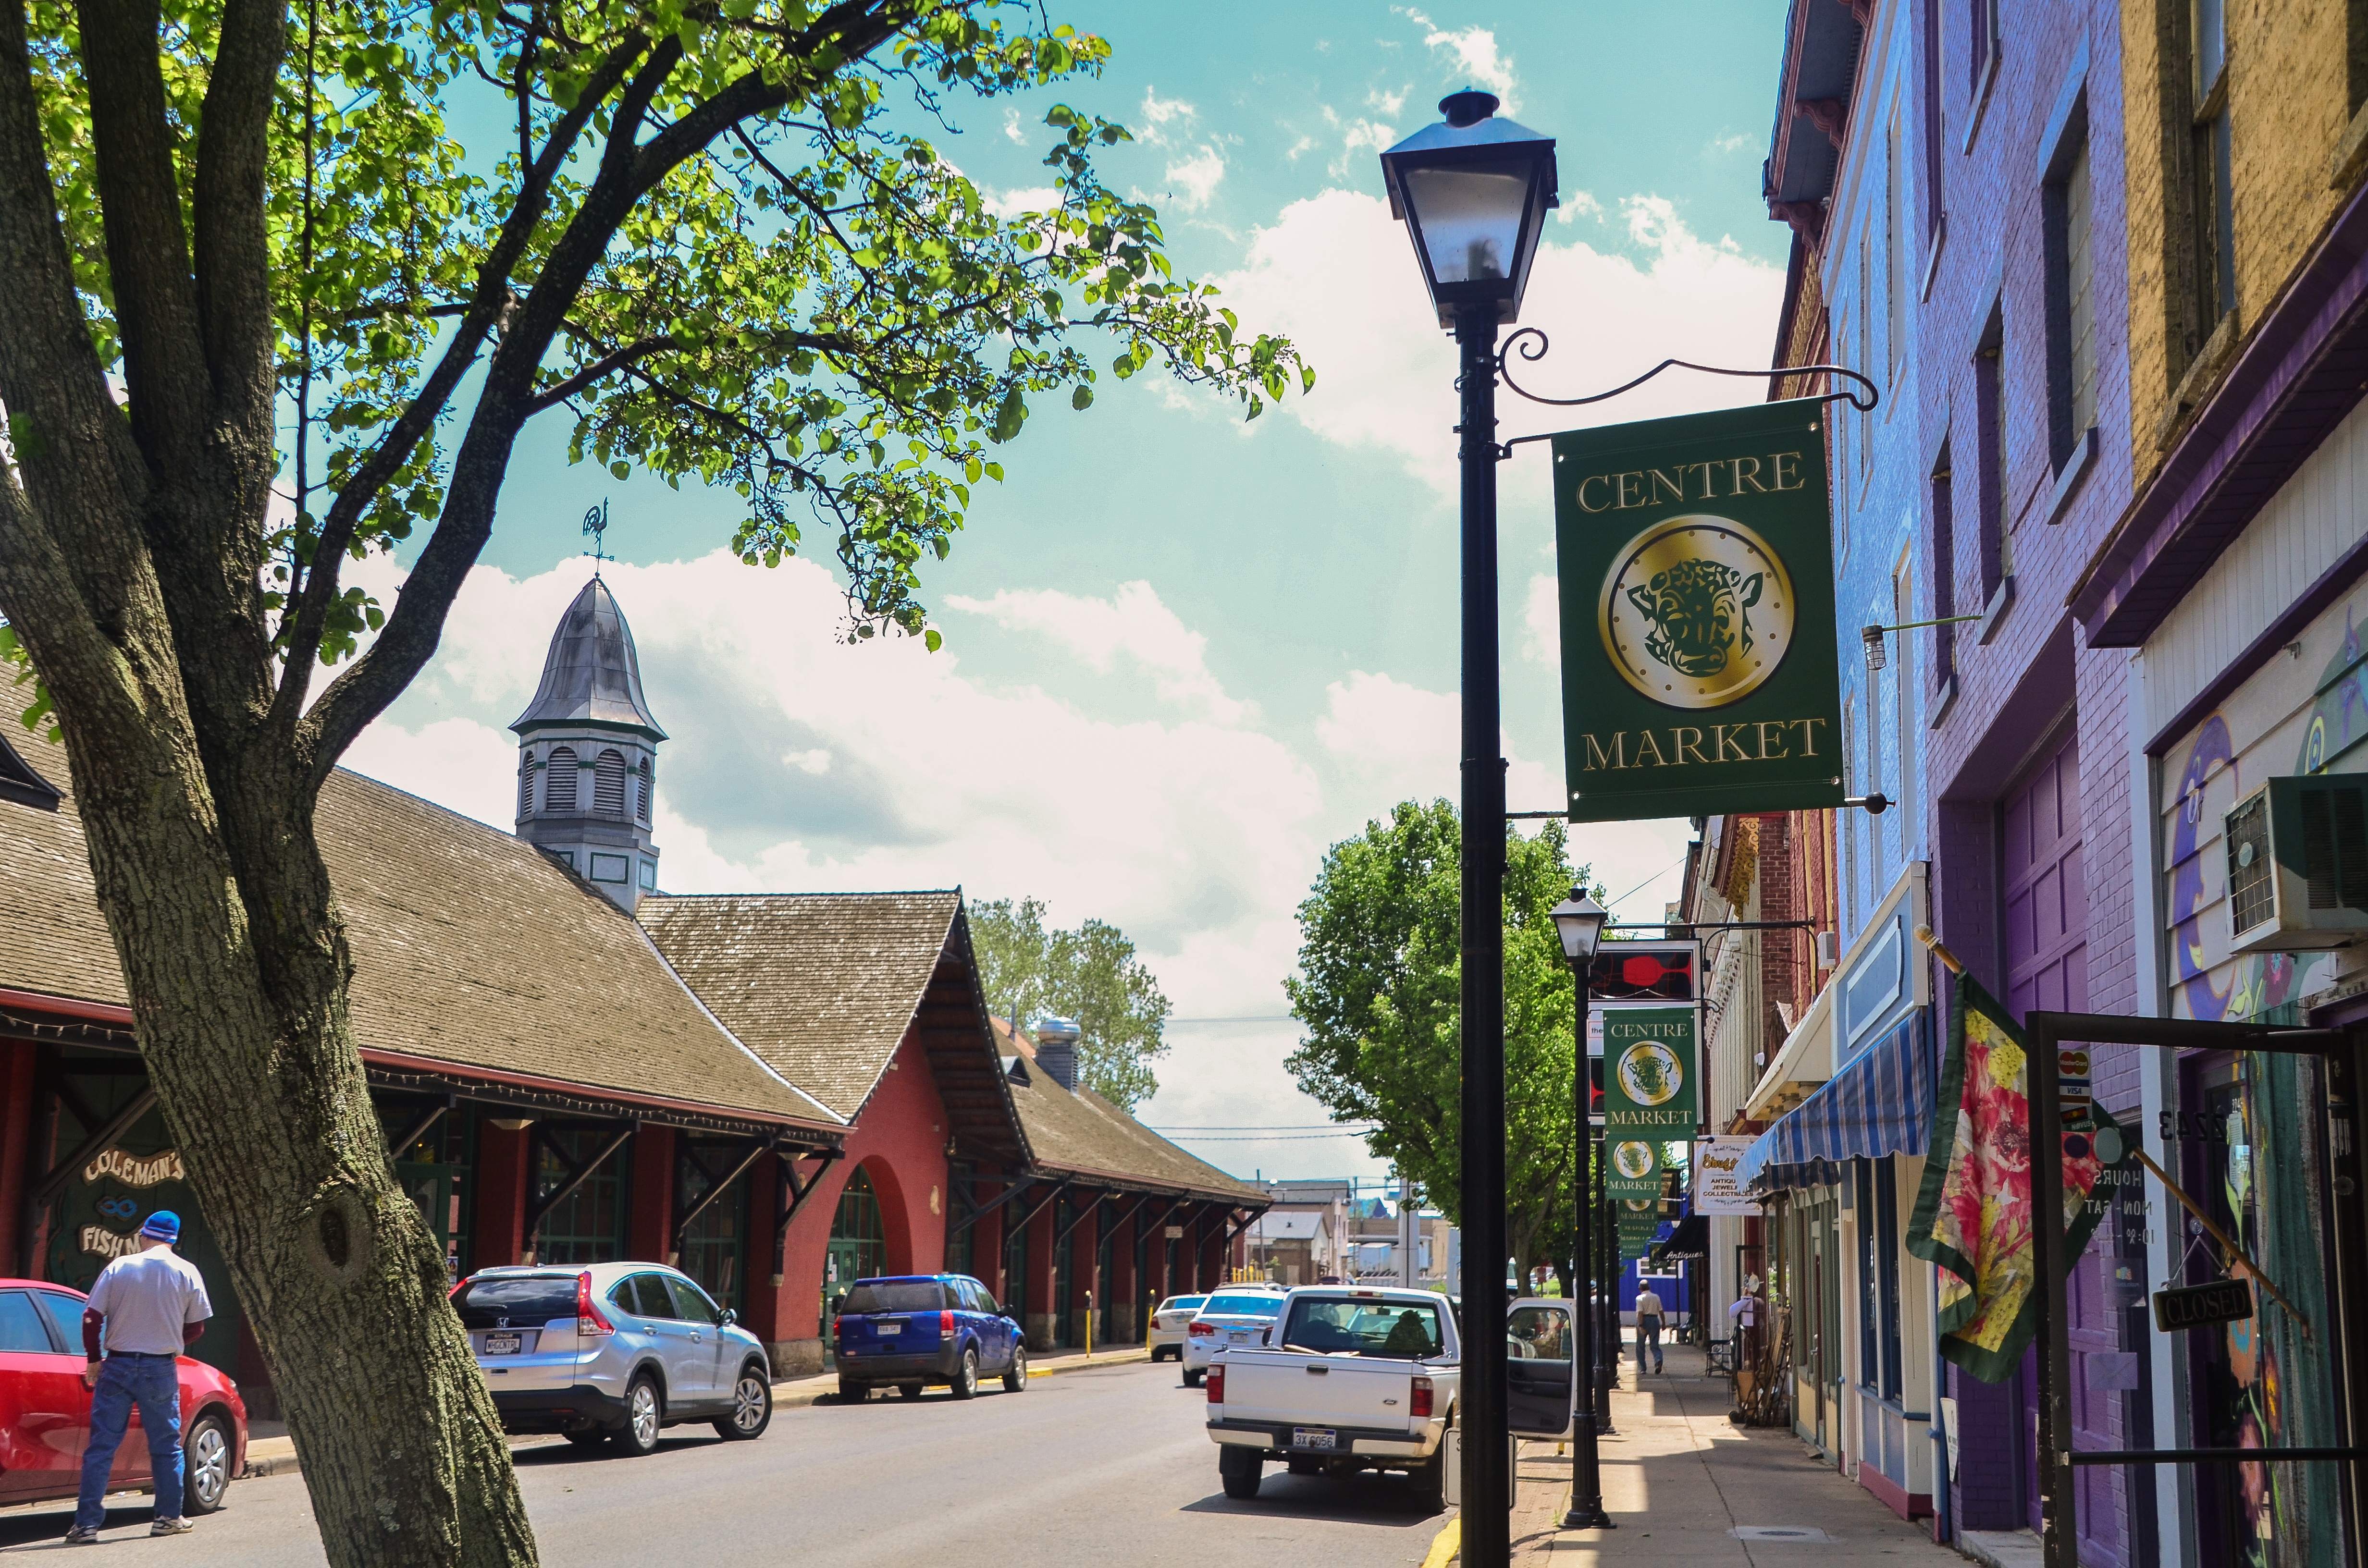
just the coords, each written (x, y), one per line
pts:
(2033, 675)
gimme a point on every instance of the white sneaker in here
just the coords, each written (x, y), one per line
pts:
(171, 1527)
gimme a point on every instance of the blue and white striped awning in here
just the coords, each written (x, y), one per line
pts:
(1880, 1103)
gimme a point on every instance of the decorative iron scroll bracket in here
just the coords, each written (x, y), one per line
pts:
(1532, 352)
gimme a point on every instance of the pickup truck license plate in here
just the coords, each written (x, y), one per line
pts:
(1313, 1438)
(887, 1328)
(502, 1344)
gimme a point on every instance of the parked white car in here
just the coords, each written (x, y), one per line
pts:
(1355, 1379)
(1168, 1321)
(1234, 1315)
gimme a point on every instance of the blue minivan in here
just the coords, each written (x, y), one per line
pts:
(919, 1330)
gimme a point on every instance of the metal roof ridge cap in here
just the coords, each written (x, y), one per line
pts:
(725, 1030)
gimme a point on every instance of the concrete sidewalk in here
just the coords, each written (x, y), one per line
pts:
(272, 1451)
(1687, 1487)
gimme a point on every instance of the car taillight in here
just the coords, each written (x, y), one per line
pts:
(588, 1311)
(1216, 1385)
(1199, 1329)
(1419, 1406)
(945, 1322)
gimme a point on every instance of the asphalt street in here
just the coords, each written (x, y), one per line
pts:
(1090, 1467)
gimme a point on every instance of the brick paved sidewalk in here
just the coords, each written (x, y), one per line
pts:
(1681, 1480)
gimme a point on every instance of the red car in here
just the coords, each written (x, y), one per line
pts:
(45, 1410)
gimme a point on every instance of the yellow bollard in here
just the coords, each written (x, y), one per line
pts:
(1089, 1325)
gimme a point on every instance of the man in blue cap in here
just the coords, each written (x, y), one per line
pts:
(148, 1306)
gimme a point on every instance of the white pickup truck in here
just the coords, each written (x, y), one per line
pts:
(1352, 1379)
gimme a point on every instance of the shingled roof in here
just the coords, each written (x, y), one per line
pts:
(1076, 1133)
(472, 952)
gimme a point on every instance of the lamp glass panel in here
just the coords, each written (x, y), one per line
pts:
(1471, 220)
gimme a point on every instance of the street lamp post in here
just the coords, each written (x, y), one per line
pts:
(1473, 192)
(1578, 920)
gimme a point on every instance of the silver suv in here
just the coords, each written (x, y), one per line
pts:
(612, 1352)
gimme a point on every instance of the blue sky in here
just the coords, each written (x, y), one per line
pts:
(1184, 654)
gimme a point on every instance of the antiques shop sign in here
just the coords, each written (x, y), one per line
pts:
(1699, 663)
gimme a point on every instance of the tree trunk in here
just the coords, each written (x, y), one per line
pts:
(237, 966)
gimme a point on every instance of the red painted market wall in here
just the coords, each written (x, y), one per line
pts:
(899, 1140)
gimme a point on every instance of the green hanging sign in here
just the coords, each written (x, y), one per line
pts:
(1633, 1169)
(1699, 674)
(1649, 1074)
(1639, 1220)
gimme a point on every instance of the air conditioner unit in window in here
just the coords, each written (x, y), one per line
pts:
(2298, 852)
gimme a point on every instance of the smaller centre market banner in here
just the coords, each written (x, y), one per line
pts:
(1699, 672)
(1648, 1073)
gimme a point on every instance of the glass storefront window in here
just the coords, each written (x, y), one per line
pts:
(588, 1224)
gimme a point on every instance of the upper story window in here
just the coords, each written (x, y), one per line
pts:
(1981, 38)
(2065, 201)
(2212, 285)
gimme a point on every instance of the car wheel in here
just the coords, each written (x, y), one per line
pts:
(1015, 1380)
(752, 1407)
(966, 1374)
(205, 1453)
(908, 1390)
(1193, 1379)
(1239, 1469)
(645, 1413)
(853, 1392)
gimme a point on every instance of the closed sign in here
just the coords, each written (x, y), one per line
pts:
(2203, 1306)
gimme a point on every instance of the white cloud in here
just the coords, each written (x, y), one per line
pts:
(1736, 143)
(1334, 272)
(1193, 180)
(1159, 114)
(1386, 103)
(1542, 618)
(1026, 199)
(1132, 622)
(459, 764)
(1013, 128)
(1357, 136)
(1578, 204)
(1473, 52)
(1400, 742)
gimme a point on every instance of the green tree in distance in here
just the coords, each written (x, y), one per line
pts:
(229, 228)
(1379, 993)
(1089, 975)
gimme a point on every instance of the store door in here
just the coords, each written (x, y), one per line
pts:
(2046, 904)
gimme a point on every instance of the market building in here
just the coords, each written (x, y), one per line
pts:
(776, 1093)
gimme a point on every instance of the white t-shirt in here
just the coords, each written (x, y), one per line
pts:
(1746, 1309)
(1648, 1305)
(147, 1298)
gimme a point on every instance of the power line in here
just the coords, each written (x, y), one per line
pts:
(1244, 1019)
(1263, 1127)
(1286, 1138)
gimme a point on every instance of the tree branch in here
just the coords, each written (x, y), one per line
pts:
(234, 249)
(310, 602)
(147, 255)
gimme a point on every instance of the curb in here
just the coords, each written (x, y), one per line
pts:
(786, 1396)
(1446, 1545)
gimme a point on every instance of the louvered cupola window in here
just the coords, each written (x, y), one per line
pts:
(643, 811)
(608, 785)
(526, 783)
(559, 787)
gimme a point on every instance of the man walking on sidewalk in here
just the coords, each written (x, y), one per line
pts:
(1648, 1328)
(148, 1306)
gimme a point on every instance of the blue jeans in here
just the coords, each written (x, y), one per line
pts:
(154, 1384)
(1648, 1337)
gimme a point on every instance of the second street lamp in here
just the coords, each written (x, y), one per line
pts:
(1473, 192)
(1578, 920)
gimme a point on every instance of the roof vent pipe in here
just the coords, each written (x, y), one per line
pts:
(1056, 1050)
